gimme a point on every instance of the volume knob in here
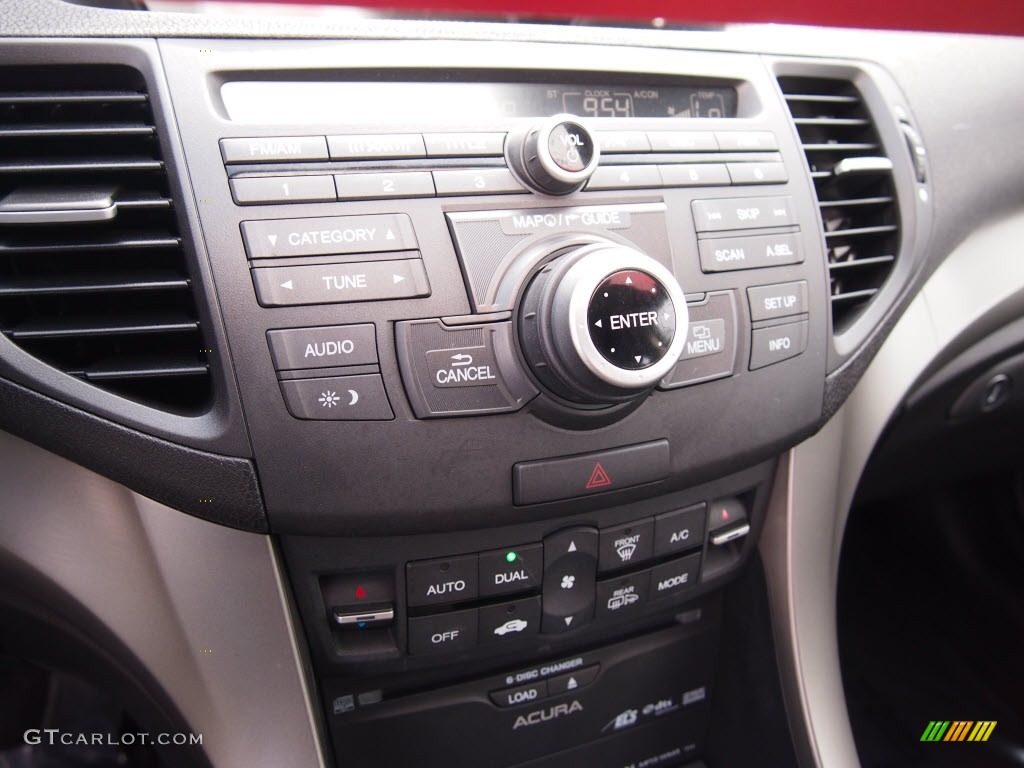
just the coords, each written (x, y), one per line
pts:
(556, 157)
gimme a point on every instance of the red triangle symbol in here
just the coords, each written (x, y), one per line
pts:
(598, 478)
(360, 592)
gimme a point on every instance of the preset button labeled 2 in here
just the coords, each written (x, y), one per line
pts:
(570, 575)
(340, 283)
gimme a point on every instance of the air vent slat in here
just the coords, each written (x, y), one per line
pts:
(145, 370)
(837, 266)
(107, 129)
(858, 231)
(853, 180)
(73, 97)
(103, 298)
(92, 245)
(100, 327)
(68, 284)
(82, 165)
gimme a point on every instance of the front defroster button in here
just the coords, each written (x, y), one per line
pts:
(445, 580)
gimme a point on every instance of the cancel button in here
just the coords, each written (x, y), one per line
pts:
(464, 367)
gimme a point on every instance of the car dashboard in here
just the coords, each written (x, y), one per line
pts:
(383, 392)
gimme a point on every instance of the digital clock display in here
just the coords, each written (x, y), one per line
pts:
(425, 102)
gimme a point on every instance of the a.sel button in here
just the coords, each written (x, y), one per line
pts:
(679, 530)
(443, 633)
(339, 283)
(514, 569)
(675, 577)
(507, 621)
(328, 235)
(729, 253)
(780, 342)
(326, 347)
(446, 580)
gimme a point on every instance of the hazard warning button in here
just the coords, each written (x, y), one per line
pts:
(535, 482)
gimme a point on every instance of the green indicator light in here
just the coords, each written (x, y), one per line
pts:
(510, 557)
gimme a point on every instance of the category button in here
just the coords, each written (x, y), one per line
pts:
(338, 398)
(325, 347)
(675, 577)
(742, 213)
(463, 367)
(515, 569)
(626, 545)
(273, 149)
(445, 580)
(679, 530)
(338, 283)
(782, 300)
(507, 621)
(778, 343)
(362, 147)
(731, 253)
(276, 238)
(443, 633)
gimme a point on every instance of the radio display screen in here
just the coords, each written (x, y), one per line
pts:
(409, 102)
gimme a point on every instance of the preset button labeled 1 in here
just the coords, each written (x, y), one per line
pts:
(340, 283)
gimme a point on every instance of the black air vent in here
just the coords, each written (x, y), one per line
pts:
(853, 178)
(93, 278)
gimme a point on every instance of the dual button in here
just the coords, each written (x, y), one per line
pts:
(468, 577)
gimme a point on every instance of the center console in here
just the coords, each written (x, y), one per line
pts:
(518, 346)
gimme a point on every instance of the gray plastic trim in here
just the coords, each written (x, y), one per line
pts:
(976, 290)
(200, 606)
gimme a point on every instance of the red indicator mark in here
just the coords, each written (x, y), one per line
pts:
(360, 592)
(598, 478)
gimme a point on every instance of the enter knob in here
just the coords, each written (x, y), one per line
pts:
(556, 157)
(602, 323)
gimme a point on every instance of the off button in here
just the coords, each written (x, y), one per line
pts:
(443, 633)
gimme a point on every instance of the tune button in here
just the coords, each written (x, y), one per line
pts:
(631, 319)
